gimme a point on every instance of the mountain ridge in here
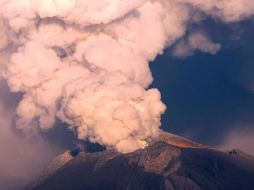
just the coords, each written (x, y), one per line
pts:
(170, 162)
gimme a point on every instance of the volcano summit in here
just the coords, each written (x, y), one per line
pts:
(169, 163)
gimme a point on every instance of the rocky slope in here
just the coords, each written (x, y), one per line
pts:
(170, 163)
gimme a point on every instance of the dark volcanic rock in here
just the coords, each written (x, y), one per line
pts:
(160, 166)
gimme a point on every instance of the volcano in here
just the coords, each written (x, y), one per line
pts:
(168, 163)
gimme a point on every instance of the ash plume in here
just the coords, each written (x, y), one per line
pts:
(87, 62)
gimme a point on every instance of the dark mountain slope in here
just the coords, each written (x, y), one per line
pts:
(160, 166)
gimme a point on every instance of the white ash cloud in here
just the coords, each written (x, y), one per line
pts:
(86, 62)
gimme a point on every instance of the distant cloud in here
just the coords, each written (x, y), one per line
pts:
(21, 159)
(196, 41)
(239, 139)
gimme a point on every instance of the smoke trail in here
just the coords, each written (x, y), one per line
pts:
(86, 62)
(195, 41)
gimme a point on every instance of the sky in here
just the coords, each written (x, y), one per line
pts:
(115, 72)
(209, 97)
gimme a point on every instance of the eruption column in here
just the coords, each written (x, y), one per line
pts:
(86, 62)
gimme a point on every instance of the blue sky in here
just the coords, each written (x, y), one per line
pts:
(208, 96)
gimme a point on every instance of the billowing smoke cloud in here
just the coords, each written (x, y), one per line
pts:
(86, 62)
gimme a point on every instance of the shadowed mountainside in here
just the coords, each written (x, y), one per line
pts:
(170, 163)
